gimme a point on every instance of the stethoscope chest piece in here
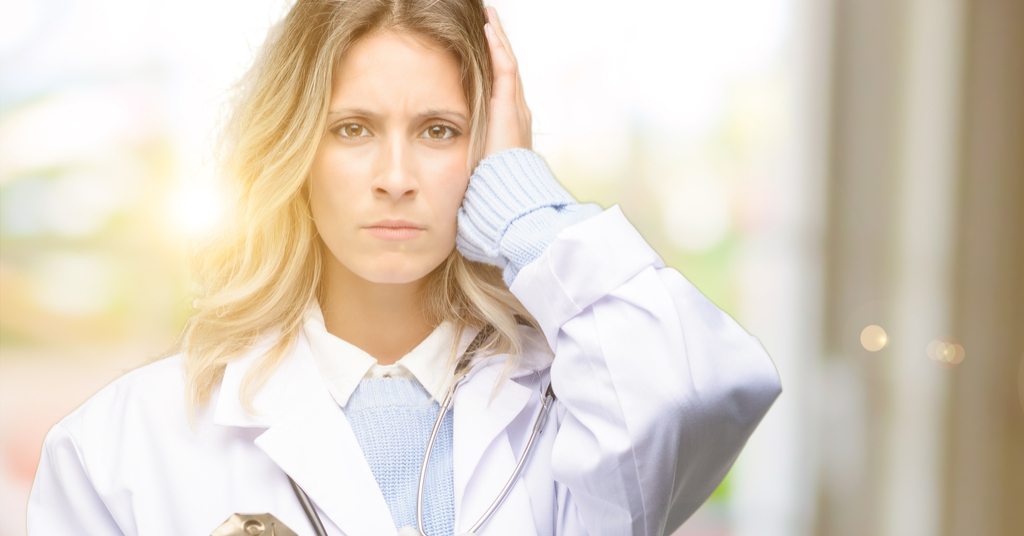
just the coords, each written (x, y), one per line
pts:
(253, 525)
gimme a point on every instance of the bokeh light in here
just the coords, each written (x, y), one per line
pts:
(946, 352)
(873, 338)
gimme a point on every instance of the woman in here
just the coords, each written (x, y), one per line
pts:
(394, 237)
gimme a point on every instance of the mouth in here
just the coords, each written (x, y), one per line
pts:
(394, 229)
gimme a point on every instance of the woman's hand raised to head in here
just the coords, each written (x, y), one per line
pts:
(513, 206)
(509, 122)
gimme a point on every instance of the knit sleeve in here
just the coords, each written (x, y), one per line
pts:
(513, 209)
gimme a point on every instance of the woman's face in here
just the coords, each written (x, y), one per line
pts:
(390, 172)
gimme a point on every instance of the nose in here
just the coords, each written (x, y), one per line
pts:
(396, 177)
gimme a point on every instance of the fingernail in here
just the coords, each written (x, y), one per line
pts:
(488, 29)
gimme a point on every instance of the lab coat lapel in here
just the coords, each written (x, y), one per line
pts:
(320, 452)
(310, 439)
(483, 457)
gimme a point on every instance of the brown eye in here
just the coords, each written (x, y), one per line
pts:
(440, 132)
(351, 130)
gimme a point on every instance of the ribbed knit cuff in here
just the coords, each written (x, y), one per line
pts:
(513, 209)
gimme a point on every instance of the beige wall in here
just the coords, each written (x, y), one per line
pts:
(925, 238)
(984, 469)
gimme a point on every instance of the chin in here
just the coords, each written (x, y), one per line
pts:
(395, 278)
(398, 271)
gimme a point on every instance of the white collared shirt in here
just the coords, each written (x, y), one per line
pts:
(343, 365)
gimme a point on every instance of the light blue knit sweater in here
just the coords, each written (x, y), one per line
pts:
(392, 419)
(512, 211)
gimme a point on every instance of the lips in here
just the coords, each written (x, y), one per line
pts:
(394, 229)
(395, 224)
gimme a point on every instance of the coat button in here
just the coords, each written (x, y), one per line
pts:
(253, 527)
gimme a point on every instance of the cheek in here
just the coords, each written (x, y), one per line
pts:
(332, 189)
(321, 202)
(449, 191)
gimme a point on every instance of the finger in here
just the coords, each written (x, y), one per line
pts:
(504, 69)
(508, 81)
(496, 24)
(523, 113)
(520, 99)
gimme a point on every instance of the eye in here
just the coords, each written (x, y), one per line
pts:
(440, 132)
(351, 130)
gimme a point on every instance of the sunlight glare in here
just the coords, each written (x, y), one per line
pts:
(197, 209)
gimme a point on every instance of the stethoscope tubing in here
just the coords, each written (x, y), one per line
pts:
(445, 405)
(307, 506)
(537, 427)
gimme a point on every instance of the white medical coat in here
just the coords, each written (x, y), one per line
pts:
(658, 390)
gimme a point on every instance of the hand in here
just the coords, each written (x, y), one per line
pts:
(509, 122)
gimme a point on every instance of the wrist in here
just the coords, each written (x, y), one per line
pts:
(513, 209)
(527, 237)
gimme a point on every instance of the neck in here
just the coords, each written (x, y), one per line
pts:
(385, 320)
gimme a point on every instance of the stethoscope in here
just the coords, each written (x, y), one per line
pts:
(546, 402)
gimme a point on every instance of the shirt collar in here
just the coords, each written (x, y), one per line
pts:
(344, 365)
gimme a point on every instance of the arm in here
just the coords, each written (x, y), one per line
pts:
(63, 498)
(662, 389)
(658, 388)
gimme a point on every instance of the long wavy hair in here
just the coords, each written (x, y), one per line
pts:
(258, 277)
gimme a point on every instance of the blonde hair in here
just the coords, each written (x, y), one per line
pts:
(259, 276)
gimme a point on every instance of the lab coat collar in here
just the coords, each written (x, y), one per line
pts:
(294, 386)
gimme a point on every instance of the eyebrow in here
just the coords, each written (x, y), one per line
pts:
(373, 115)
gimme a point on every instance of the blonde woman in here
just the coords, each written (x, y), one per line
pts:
(402, 271)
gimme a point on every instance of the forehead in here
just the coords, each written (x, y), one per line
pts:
(392, 71)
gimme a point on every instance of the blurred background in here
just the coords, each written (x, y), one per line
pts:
(844, 177)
